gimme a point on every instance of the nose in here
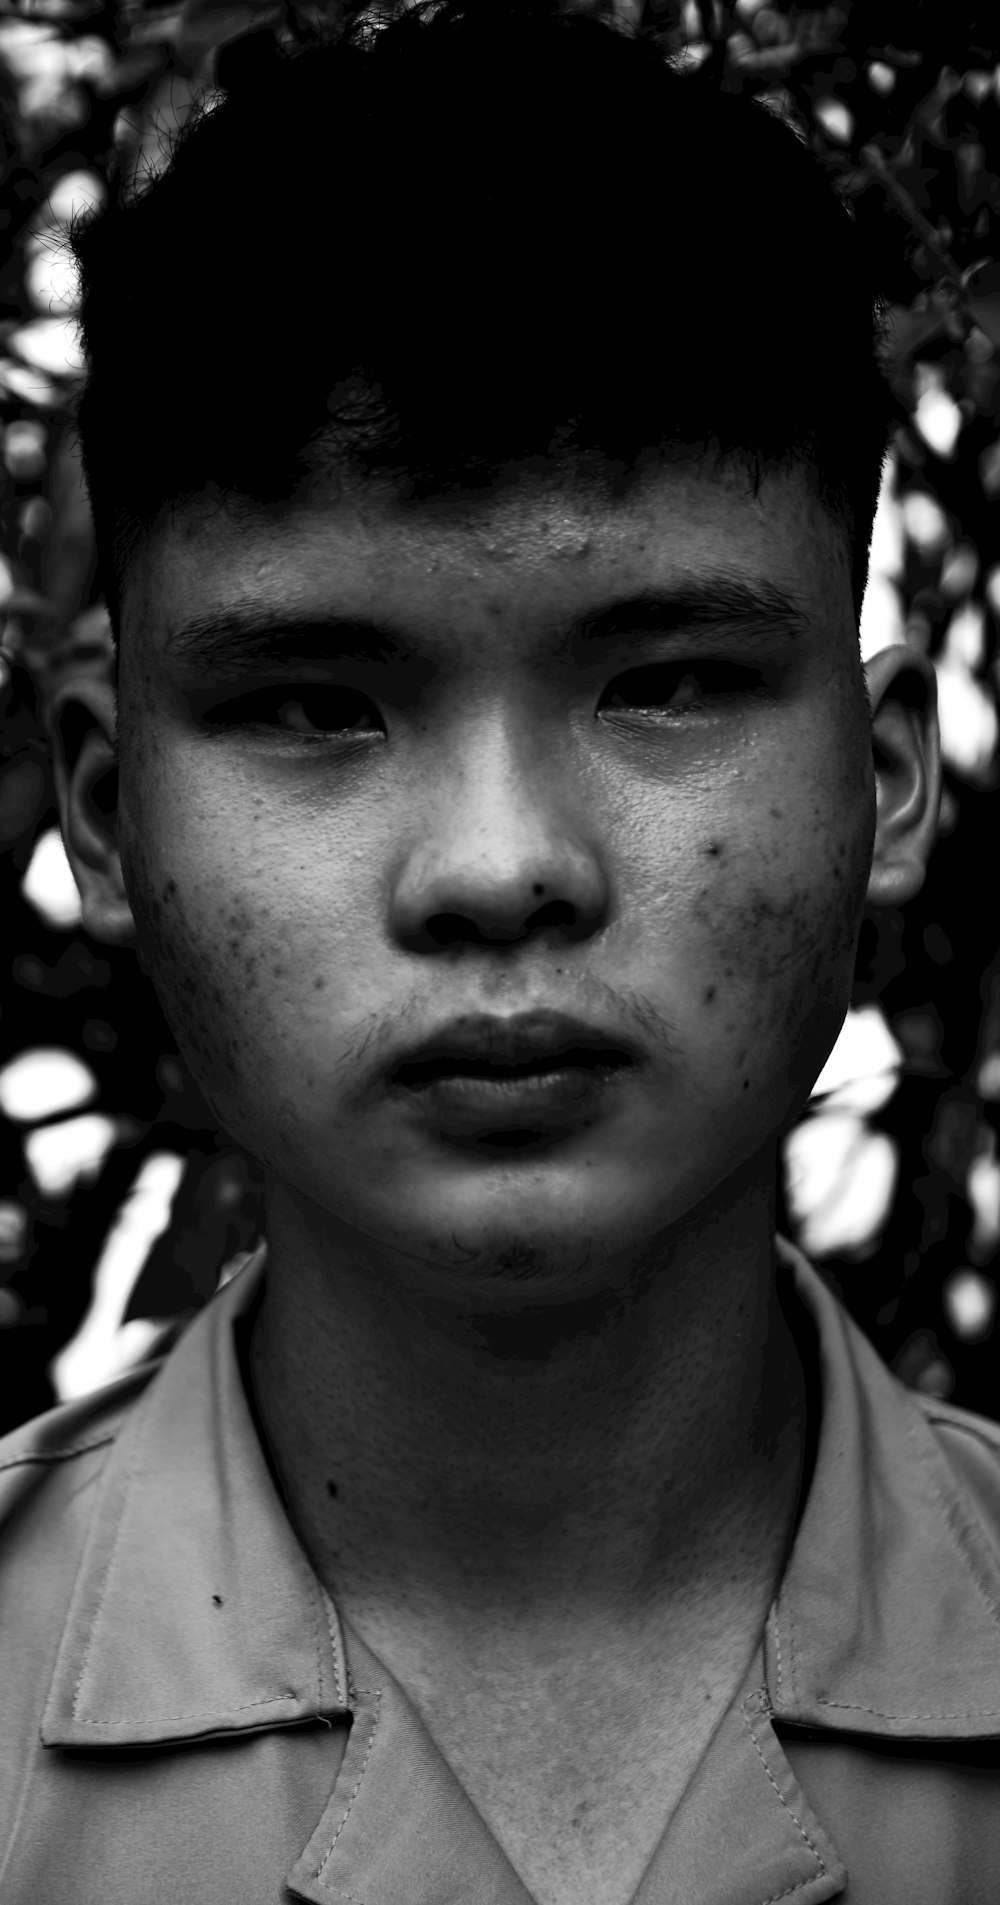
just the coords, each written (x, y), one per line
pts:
(500, 853)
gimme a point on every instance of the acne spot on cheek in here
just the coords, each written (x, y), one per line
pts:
(577, 552)
(709, 995)
(714, 850)
(319, 983)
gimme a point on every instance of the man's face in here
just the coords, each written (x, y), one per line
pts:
(579, 779)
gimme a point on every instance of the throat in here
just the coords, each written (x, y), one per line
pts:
(586, 1455)
(547, 1334)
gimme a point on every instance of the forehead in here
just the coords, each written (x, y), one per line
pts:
(530, 550)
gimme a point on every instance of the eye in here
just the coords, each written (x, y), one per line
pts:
(311, 711)
(680, 687)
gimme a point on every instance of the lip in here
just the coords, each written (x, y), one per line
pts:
(480, 1073)
(476, 1040)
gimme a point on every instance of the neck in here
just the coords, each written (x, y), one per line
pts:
(642, 1445)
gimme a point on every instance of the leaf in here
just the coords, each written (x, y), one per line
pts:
(982, 297)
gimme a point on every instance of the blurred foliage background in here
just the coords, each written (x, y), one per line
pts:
(122, 1204)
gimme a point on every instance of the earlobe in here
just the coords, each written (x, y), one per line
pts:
(902, 693)
(81, 725)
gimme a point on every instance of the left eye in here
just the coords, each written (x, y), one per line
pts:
(673, 687)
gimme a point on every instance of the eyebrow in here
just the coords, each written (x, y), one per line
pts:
(249, 633)
(718, 601)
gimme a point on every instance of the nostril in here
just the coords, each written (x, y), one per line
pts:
(449, 929)
(553, 913)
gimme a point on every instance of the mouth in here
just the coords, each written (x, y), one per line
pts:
(513, 1084)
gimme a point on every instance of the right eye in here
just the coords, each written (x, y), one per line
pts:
(311, 711)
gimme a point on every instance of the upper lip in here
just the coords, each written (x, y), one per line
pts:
(478, 1040)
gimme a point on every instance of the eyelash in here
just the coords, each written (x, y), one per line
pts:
(714, 681)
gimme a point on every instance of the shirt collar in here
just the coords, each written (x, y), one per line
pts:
(195, 1610)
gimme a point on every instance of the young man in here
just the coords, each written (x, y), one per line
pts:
(483, 435)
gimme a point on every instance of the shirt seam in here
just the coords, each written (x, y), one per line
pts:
(854, 1706)
(784, 1602)
(317, 1640)
(203, 1713)
(776, 1626)
(57, 1455)
(330, 1611)
(376, 1694)
(789, 1890)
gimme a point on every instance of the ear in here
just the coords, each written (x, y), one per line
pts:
(906, 745)
(81, 724)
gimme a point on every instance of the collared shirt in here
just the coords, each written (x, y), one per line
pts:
(183, 1717)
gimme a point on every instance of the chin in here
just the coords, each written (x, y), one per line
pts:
(514, 1273)
(529, 1269)
(522, 1301)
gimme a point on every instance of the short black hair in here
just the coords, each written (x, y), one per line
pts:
(478, 233)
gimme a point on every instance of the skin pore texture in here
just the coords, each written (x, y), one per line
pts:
(537, 1415)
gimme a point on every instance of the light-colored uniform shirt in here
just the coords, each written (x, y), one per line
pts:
(184, 1718)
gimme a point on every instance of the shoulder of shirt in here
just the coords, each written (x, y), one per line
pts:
(75, 1430)
(959, 1425)
(971, 1444)
(68, 1433)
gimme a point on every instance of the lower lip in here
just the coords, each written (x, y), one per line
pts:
(468, 1104)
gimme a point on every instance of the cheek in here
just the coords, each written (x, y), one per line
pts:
(197, 939)
(775, 923)
(242, 948)
(171, 941)
(787, 913)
